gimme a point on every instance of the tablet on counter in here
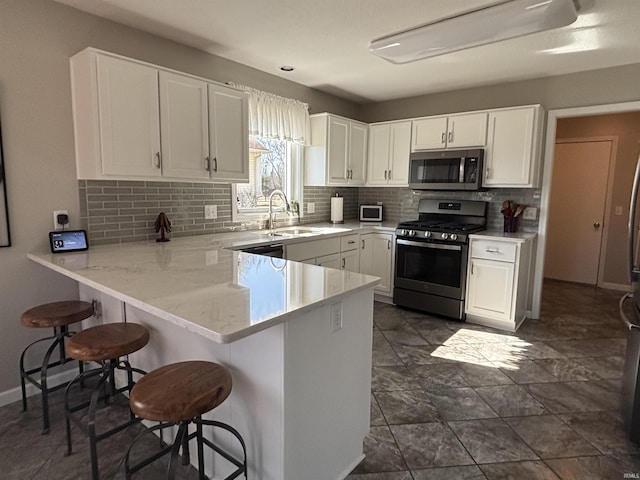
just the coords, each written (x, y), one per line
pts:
(68, 241)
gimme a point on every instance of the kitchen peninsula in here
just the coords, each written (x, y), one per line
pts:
(297, 339)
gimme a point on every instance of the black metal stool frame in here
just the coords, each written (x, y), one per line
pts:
(58, 337)
(106, 372)
(182, 440)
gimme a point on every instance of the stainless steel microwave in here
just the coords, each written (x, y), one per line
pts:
(446, 170)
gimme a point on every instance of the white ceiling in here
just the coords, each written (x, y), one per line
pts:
(327, 41)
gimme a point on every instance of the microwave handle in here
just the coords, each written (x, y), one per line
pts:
(463, 161)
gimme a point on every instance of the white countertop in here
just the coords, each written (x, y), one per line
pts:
(196, 283)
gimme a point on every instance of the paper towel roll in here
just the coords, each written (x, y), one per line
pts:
(337, 206)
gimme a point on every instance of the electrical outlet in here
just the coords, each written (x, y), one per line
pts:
(311, 207)
(336, 317)
(530, 213)
(210, 212)
(56, 225)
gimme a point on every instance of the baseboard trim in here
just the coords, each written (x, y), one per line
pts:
(615, 286)
(15, 394)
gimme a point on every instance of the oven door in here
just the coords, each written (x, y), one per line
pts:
(430, 267)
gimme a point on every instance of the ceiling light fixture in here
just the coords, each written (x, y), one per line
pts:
(479, 27)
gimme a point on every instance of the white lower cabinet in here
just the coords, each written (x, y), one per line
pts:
(498, 286)
(376, 257)
(336, 252)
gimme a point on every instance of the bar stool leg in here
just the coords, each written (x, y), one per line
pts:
(200, 443)
(182, 433)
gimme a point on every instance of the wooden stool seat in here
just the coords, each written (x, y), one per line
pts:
(106, 342)
(57, 314)
(180, 391)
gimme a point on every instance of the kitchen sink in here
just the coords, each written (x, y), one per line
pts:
(294, 231)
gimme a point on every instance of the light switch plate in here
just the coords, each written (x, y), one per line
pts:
(311, 207)
(530, 213)
(210, 212)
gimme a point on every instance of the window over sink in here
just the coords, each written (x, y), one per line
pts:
(273, 165)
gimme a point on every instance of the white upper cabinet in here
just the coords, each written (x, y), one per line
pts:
(389, 149)
(453, 131)
(127, 121)
(338, 151)
(185, 137)
(513, 147)
(137, 121)
(228, 133)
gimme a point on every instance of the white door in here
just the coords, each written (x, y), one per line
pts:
(576, 211)
(399, 153)
(379, 142)
(490, 288)
(129, 118)
(429, 133)
(338, 150)
(184, 126)
(467, 130)
(228, 133)
(375, 258)
(357, 161)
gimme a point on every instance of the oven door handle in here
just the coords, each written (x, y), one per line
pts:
(429, 245)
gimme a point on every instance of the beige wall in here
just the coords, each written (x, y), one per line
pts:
(37, 37)
(626, 127)
(613, 85)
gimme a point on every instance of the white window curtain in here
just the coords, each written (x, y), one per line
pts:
(273, 116)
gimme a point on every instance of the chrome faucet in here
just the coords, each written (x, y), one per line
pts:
(272, 215)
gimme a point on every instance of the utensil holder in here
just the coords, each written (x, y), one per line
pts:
(510, 224)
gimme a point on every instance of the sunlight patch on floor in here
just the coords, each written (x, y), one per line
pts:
(488, 349)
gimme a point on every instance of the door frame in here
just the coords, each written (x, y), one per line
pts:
(607, 201)
(547, 169)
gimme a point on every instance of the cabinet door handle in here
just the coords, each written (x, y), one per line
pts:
(444, 137)
(388, 244)
(385, 174)
(471, 268)
(344, 263)
(158, 161)
(389, 175)
(351, 242)
(451, 136)
(215, 164)
(363, 243)
(207, 162)
(492, 250)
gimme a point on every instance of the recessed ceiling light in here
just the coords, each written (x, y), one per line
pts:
(287, 68)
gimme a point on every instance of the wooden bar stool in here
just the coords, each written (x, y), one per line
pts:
(179, 394)
(58, 316)
(105, 345)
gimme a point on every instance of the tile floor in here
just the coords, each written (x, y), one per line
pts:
(449, 401)
(456, 401)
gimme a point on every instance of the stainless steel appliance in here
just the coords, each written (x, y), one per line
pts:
(446, 170)
(272, 250)
(431, 256)
(631, 373)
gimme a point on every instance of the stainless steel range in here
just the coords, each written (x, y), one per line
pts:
(431, 255)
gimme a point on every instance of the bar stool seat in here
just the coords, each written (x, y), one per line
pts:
(107, 345)
(179, 394)
(58, 316)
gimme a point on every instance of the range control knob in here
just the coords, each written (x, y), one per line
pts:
(412, 233)
(445, 236)
(427, 234)
(453, 236)
(404, 232)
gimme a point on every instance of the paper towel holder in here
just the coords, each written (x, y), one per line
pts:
(337, 209)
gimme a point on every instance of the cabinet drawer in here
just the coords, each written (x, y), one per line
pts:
(312, 249)
(494, 250)
(349, 242)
